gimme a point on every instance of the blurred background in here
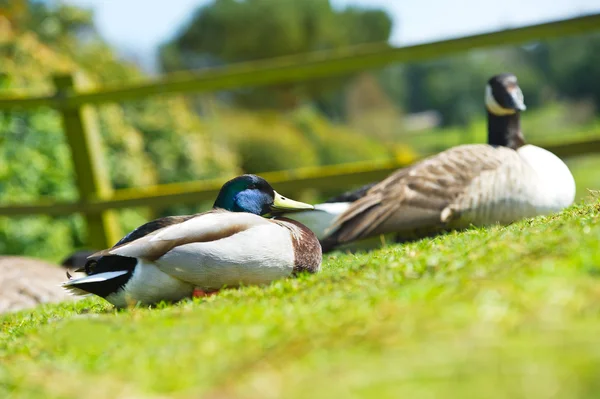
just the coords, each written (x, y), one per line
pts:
(398, 112)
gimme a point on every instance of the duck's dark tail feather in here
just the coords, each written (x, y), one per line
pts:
(89, 284)
(105, 276)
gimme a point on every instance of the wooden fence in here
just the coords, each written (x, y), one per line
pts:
(97, 199)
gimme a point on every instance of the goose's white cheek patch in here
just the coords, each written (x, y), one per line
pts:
(493, 106)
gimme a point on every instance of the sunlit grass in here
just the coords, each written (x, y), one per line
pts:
(501, 312)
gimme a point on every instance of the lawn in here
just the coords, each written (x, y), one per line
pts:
(487, 313)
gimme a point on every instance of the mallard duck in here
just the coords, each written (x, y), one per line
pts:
(478, 184)
(230, 245)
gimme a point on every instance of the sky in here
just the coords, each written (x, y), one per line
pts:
(137, 27)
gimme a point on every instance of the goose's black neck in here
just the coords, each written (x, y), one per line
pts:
(505, 130)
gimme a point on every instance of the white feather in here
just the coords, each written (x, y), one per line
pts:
(204, 225)
(96, 278)
(493, 106)
(150, 285)
(74, 291)
(534, 182)
(72, 288)
(322, 218)
(554, 183)
(255, 256)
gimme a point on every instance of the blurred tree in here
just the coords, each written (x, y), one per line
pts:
(228, 31)
(455, 86)
(51, 22)
(369, 109)
(152, 141)
(13, 10)
(574, 66)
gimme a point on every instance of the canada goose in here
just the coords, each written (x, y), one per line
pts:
(479, 184)
(168, 258)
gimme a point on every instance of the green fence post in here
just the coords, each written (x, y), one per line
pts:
(83, 135)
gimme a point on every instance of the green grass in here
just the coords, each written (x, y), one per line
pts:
(487, 313)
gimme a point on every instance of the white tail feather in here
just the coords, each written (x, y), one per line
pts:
(74, 291)
(96, 278)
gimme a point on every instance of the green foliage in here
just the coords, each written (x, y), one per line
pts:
(146, 143)
(587, 179)
(149, 142)
(227, 31)
(455, 86)
(269, 141)
(556, 123)
(175, 140)
(265, 141)
(222, 29)
(338, 144)
(163, 140)
(572, 65)
(547, 71)
(34, 161)
(41, 236)
(501, 312)
(52, 23)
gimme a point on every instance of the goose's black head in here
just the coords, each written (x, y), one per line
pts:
(253, 194)
(503, 96)
(504, 102)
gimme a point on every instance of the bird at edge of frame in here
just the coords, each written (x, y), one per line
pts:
(499, 182)
(241, 241)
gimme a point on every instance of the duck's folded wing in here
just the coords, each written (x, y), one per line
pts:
(152, 226)
(209, 226)
(416, 196)
(257, 255)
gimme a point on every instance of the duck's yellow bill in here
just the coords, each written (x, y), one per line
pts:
(285, 204)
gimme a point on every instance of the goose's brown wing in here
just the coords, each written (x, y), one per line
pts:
(418, 196)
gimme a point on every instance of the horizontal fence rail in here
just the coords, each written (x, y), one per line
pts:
(305, 67)
(326, 177)
(97, 197)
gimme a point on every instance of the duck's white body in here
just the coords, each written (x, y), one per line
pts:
(146, 285)
(322, 218)
(209, 251)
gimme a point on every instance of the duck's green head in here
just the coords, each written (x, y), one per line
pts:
(253, 194)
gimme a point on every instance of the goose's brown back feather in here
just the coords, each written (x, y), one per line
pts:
(425, 195)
